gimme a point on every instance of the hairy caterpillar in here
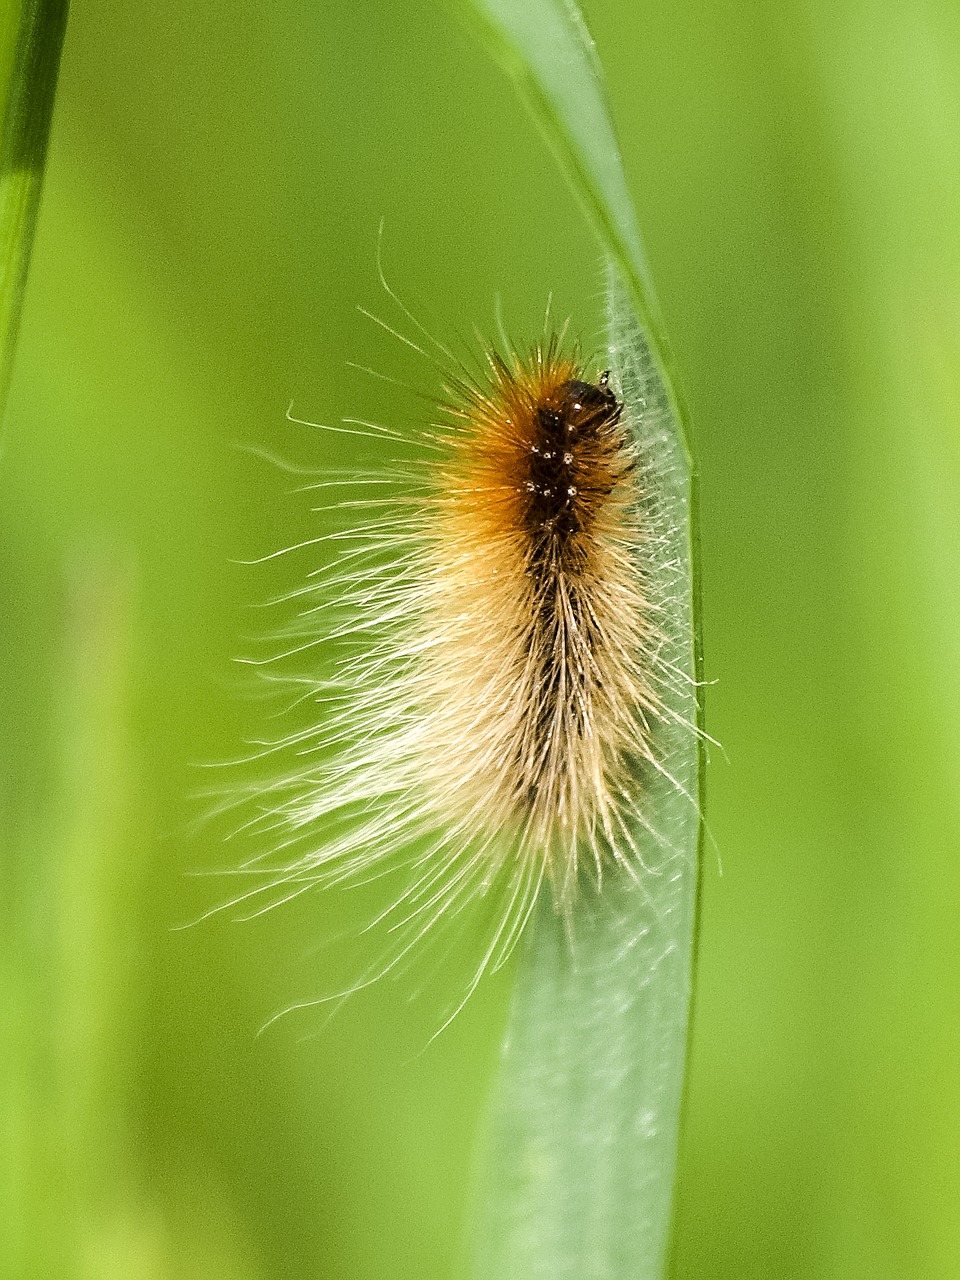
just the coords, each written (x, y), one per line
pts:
(496, 692)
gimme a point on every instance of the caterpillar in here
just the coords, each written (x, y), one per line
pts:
(497, 672)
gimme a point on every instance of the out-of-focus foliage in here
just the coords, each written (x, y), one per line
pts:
(31, 36)
(216, 177)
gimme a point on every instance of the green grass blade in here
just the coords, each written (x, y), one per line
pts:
(582, 1155)
(581, 1162)
(546, 47)
(31, 36)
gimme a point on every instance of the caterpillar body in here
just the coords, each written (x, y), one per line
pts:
(496, 691)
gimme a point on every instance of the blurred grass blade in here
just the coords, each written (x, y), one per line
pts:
(581, 1162)
(68, 965)
(31, 36)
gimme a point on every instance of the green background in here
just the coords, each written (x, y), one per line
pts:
(217, 174)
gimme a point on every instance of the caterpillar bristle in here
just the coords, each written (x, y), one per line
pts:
(497, 686)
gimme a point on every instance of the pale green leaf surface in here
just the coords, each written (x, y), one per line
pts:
(581, 1157)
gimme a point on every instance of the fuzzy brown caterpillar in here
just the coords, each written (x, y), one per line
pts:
(540, 689)
(494, 700)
